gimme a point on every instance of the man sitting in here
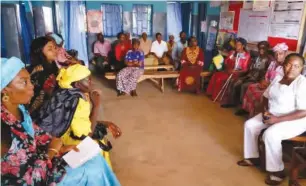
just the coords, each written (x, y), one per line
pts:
(145, 44)
(101, 50)
(159, 50)
(178, 48)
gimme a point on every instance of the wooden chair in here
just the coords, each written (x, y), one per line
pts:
(298, 163)
(262, 151)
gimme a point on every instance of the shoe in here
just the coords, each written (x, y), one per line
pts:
(134, 93)
(227, 106)
(241, 112)
(120, 93)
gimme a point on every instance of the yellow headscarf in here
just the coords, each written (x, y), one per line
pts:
(72, 74)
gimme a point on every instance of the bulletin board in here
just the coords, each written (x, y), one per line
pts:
(285, 23)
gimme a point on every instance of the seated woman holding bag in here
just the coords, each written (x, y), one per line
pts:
(68, 114)
(28, 152)
(283, 116)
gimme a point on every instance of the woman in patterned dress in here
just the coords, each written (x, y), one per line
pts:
(43, 71)
(29, 155)
(236, 63)
(127, 78)
(192, 62)
(252, 97)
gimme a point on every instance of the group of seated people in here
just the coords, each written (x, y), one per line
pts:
(129, 57)
(273, 89)
(47, 109)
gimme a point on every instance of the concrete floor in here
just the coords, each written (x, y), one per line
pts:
(175, 139)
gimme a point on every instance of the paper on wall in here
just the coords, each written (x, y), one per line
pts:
(203, 26)
(261, 5)
(293, 16)
(254, 26)
(227, 20)
(94, 21)
(285, 30)
(88, 149)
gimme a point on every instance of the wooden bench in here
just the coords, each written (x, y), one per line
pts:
(157, 77)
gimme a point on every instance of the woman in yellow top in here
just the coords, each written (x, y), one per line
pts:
(68, 114)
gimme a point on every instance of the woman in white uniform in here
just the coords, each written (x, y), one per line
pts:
(284, 116)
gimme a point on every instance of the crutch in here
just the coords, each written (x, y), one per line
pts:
(223, 89)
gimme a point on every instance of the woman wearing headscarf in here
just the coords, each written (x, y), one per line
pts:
(283, 116)
(252, 97)
(127, 78)
(192, 62)
(68, 114)
(29, 155)
(235, 64)
(43, 71)
(237, 87)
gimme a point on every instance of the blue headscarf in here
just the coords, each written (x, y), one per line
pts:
(9, 69)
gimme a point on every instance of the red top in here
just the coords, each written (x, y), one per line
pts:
(242, 63)
(121, 49)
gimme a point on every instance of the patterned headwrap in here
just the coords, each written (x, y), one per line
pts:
(72, 74)
(280, 47)
(9, 69)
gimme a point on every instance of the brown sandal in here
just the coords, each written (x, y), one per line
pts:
(294, 183)
(248, 162)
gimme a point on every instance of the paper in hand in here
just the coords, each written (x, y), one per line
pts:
(88, 149)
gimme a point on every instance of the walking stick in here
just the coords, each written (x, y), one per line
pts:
(223, 89)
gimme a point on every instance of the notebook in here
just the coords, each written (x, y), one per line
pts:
(88, 149)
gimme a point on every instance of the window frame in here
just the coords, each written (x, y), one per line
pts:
(150, 22)
(103, 20)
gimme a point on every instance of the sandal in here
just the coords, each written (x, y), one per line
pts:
(294, 183)
(248, 162)
(274, 179)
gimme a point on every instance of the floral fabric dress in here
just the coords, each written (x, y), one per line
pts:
(26, 162)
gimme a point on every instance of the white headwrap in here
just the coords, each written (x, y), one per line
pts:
(280, 47)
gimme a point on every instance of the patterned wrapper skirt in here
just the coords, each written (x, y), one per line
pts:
(190, 79)
(127, 78)
(252, 99)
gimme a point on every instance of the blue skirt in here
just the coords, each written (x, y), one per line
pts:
(94, 172)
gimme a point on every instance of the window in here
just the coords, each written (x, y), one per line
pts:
(142, 19)
(48, 17)
(112, 22)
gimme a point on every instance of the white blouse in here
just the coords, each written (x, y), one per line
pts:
(285, 99)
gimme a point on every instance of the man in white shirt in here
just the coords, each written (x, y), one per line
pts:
(101, 49)
(159, 48)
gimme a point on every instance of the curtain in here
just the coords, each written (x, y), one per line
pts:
(142, 19)
(26, 33)
(201, 36)
(112, 19)
(174, 19)
(75, 28)
(186, 9)
(3, 48)
(10, 30)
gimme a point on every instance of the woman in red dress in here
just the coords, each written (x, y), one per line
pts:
(121, 48)
(192, 64)
(236, 63)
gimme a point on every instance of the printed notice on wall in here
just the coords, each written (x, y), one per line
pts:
(261, 5)
(94, 21)
(254, 26)
(227, 20)
(290, 31)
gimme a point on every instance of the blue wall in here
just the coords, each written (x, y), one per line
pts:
(158, 6)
